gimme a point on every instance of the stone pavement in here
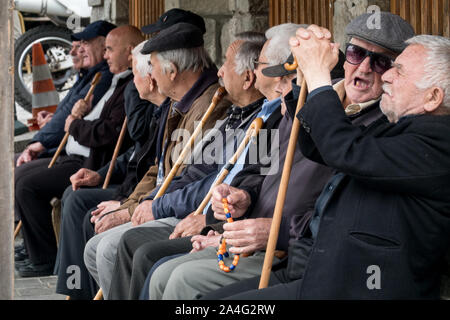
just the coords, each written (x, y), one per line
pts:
(41, 288)
(36, 289)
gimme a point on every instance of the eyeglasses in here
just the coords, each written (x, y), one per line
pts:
(260, 62)
(379, 63)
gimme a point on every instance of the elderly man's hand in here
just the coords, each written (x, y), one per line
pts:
(80, 109)
(104, 207)
(43, 117)
(315, 54)
(238, 201)
(30, 153)
(111, 220)
(247, 236)
(201, 242)
(85, 178)
(189, 226)
(69, 121)
(142, 213)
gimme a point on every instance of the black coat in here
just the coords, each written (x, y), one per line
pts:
(391, 210)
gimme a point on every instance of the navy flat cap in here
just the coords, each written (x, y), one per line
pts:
(180, 35)
(93, 30)
(174, 16)
(391, 34)
(279, 70)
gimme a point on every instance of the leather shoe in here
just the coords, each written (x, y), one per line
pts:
(19, 247)
(19, 264)
(36, 270)
(21, 255)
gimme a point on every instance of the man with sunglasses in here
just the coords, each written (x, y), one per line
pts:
(358, 210)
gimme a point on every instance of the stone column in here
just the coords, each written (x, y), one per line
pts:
(346, 10)
(114, 11)
(248, 15)
(7, 154)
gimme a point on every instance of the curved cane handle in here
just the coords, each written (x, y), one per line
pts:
(256, 126)
(291, 67)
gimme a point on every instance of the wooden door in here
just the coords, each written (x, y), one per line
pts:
(426, 16)
(319, 12)
(144, 12)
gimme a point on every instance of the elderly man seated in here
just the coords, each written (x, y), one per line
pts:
(380, 228)
(93, 132)
(359, 92)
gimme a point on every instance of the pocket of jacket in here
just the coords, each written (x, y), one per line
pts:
(374, 240)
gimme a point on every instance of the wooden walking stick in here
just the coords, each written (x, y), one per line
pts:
(94, 83)
(278, 211)
(220, 93)
(63, 142)
(115, 154)
(252, 132)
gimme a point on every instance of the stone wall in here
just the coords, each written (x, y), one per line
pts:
(115, 11)
(224, 18)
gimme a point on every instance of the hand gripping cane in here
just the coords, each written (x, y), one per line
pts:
(63, 142)
(220, 93)
(278, 211)
(252, 132)
(94, 83)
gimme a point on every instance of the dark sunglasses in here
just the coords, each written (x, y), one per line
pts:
(378, 62)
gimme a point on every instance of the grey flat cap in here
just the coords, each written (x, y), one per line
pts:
(180, 35)
(391, 34)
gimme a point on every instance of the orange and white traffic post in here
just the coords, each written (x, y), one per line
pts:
(45, 97)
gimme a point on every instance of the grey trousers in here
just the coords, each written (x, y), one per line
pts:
(193, 275)
(101, 251)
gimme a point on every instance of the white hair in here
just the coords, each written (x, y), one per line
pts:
(279, 49)
(437, 64)
(142, 60)
(248, 53)
(194, 59)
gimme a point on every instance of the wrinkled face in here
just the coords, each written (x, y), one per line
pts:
(162, 79)
(116, 54)
(92, 51)
(228, 77)
(76, 57)
(264, 84)
(362, 84)
(401, 96)
(141, 83)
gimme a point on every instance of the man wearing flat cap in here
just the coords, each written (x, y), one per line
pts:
(37, 155)
(320, 250)
(185, 73)
(93, 132)
(174, 16)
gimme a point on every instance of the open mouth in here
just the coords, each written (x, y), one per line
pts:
(361, 83)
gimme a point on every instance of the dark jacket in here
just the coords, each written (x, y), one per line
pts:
(187, 192)
(144, 119)
(391, 208)
(187, 113)
(52, 133)
(101, 135)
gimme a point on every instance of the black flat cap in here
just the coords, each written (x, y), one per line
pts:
(391, 34)
(279, 70)
(180, 35)
(93, 30)
(174, 16)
